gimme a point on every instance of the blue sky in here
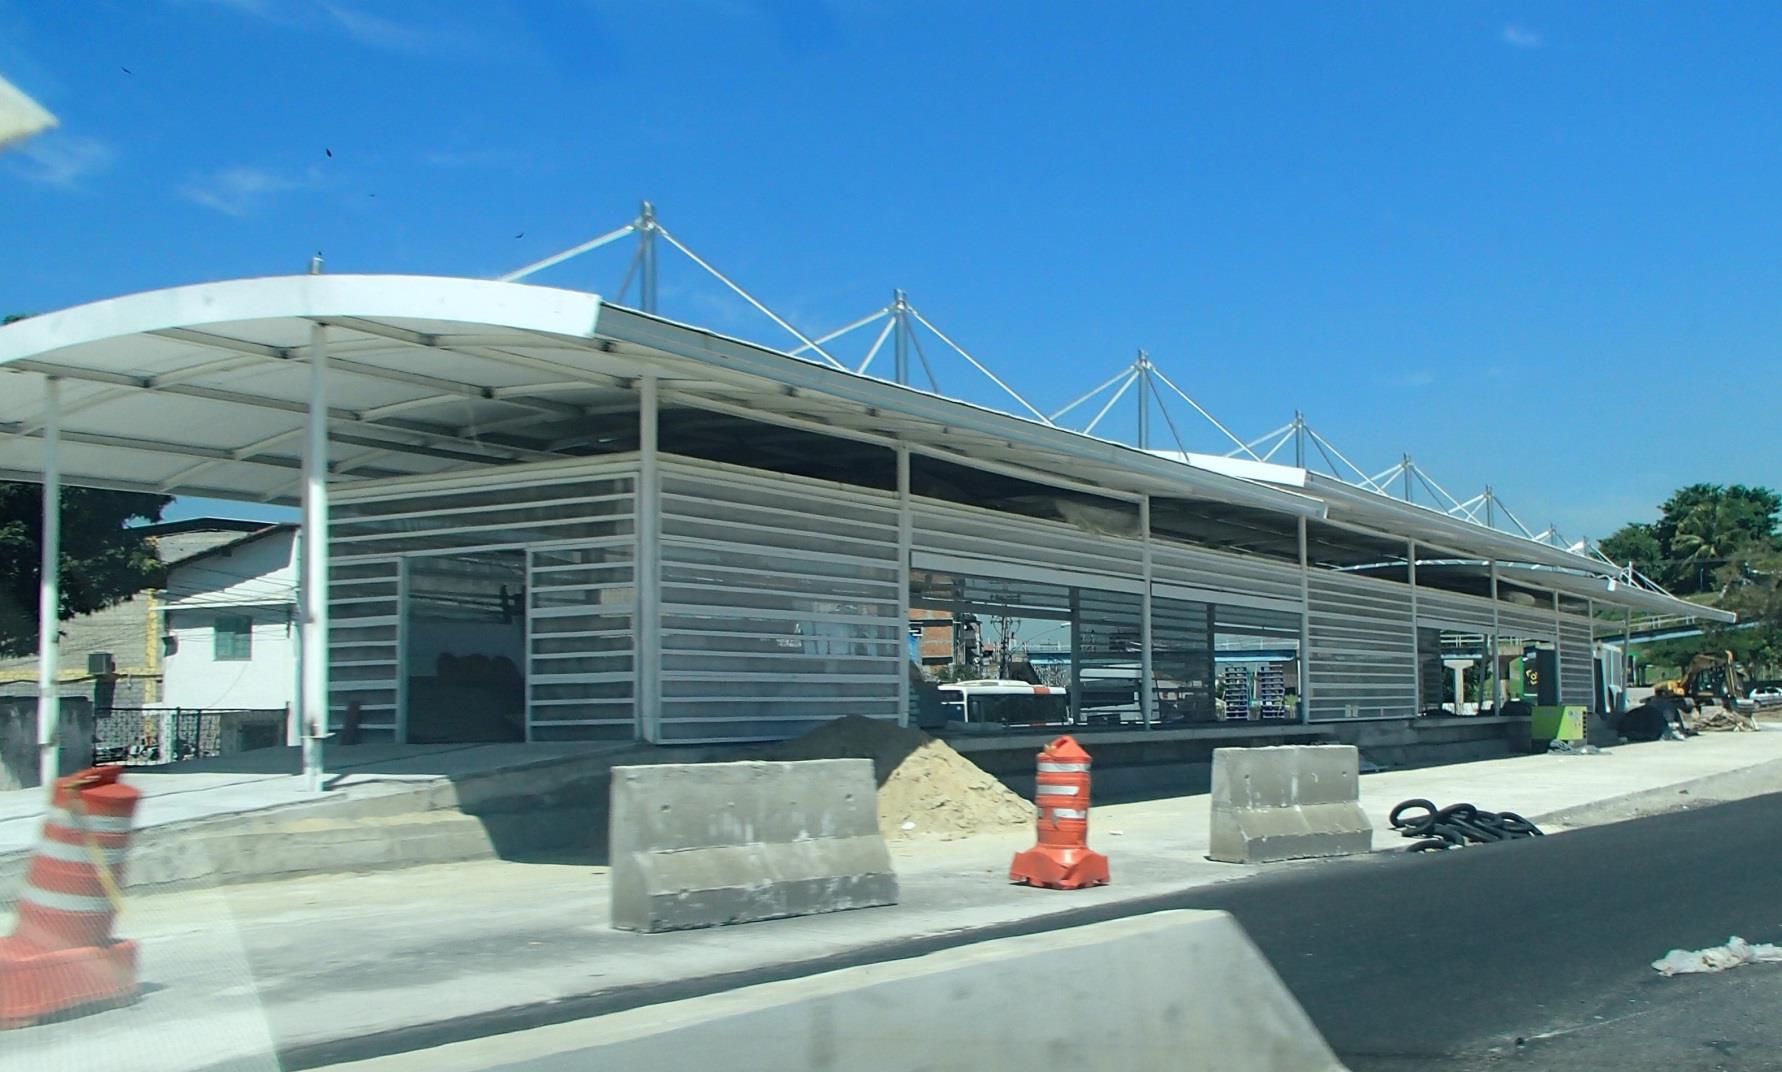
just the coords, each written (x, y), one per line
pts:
(1532, 244)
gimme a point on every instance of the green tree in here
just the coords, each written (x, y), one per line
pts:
(103, 561)
(1635, 542)
(1700, 530)
(1751, 586)
(1715, 528)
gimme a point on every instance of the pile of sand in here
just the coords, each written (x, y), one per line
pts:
(924, 786)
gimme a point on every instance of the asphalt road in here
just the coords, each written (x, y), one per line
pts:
(1528, 955)
(1536, 954)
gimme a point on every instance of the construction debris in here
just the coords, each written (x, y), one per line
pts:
(1735, 952)
(1711, 719)
(925, 787)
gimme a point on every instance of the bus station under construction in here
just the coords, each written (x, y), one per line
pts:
(550, 517)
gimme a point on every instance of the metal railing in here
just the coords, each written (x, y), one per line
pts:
(148, 736)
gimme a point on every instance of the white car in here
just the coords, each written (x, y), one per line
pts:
(1770, 697)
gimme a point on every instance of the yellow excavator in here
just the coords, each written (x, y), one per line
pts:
(1712, 677)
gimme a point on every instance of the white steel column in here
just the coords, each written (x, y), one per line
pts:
(649, 570)
(1558, 651)
(903, 587)
(1147, 677)
(1305, 626)
(1076, 656)
(1497, 685)
(646, 254)
(1626, 654)
(313, 640)
(49, 591)
(1594, 656)
(1416, 652)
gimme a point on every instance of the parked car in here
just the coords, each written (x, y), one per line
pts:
(1770, 697)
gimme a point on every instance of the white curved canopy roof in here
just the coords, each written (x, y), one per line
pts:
(202, 389)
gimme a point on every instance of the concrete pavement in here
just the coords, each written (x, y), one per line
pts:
(272, 779)
(248, 817)
(333, 967)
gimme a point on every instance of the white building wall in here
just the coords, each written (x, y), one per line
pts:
(259, 572)
(195, 678)
(256, 579)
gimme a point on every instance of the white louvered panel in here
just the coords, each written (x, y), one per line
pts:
(1194, 567)
(947, 528)
(1577, 672)
(580, 648)
(593, 500)
(364, 654)
(577, 523)
(780, 604)
(1362, 663)
(1453, 609)
(1525, 623)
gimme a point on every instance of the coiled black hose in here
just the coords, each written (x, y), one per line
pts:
(1456, 825)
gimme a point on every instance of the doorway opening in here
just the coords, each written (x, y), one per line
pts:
(466, 644)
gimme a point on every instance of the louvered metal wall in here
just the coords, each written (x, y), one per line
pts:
(950, 529)
(1192, 567)
(1577, 662)
(781, 598)
(781, 604)
(1526, 623)
(1362, 662)
(1182, 639)
(365, 643)
(1453, 609)
(582, 599)
(576, 523)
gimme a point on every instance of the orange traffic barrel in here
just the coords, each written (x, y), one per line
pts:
(61, 955)
(1062, 860)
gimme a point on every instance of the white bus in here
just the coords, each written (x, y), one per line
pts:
(1011, 703)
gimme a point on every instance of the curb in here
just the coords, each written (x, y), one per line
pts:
(1739, 784)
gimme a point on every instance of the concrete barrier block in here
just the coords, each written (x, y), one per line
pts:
(704, 844)
(1183, 991)
(1287, 802)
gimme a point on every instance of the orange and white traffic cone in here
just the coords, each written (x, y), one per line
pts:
(61, 956)
(1062, 860)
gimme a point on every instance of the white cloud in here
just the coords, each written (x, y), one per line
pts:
(1412, 378)
(61, 159)
(416, 37)
(1518, 36)
(242, 190)
(484, 157)
(258, 8)
(377, 31)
